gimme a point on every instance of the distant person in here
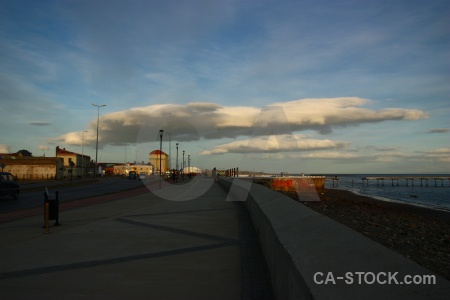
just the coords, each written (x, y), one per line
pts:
(214, 174)
(174, 176)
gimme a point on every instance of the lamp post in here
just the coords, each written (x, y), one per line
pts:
(182, 169)
(82, 154)
(161, 132)
(170, 149)
(189, 165)
(177, 158)
(96, 145)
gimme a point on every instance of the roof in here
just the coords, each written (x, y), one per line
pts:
(30, 160)
(157, 152)
(63, 151)
(21, 153)
(24, 153)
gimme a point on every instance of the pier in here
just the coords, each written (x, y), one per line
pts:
(409, 180)
(335, 180)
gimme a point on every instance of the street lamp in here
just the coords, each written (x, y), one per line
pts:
(96, 145)
(189, 165)
(82, 154)
(182, 169)
(170, 149)
(177, 158)
(160, 152)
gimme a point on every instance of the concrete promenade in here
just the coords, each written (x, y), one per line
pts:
(137, 247)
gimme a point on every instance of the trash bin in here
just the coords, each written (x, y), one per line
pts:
(53, 206)
(53, 209)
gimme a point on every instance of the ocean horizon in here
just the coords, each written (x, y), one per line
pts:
(432, 194)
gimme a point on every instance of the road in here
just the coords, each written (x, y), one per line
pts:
(32, 194)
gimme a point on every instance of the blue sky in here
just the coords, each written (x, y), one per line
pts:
(275, 86)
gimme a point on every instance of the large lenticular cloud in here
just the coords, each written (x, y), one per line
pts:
(214, 121)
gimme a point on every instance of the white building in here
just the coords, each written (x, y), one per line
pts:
(192, 170)
(125, 169)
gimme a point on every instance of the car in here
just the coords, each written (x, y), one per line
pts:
(132, 175)
(9, 186)
(142, 176)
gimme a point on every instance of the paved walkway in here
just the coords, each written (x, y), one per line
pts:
(139, 247)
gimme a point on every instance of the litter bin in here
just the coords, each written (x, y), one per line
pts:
(53, 207)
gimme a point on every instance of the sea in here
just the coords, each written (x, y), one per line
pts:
(433, 193)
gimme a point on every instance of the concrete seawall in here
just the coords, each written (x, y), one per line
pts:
(299, 184)
(310, 256)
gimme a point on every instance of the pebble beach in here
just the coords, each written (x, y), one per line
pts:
(421, 234)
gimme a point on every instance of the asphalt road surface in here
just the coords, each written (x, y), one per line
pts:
(32, 193)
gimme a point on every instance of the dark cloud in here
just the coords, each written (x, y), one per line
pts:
(40, 123)
(439, 130)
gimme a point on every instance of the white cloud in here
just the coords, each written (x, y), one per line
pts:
(438, 151)
(328, 155)
(279, 143)
(342, 111)
(77, 138)
(440, 155)
(361, 155)
(4, 148)
(208, 120)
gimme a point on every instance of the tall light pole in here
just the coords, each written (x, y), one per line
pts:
(170, 149)
(161, 132)
(125, 167)
(96, 145)
(177, 158)
(182, 169)
(189, 164)
(82, 154)
(125, 146)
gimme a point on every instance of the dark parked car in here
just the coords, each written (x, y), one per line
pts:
(132, 175)
(9, 186)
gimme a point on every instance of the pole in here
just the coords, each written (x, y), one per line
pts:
(176, 165)
(160, 153)
(182, 169)
(82, 155)
(46, 213)
(96, 145)
(170, 150)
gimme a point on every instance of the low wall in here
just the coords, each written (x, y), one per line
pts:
(308, 253)
(33, 168)
(298, 184)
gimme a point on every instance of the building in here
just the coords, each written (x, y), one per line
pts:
(31, 168)
(124, 169)
(146, 169)
(107, 168)
(155, 157)
(192, 169)
(77, 165)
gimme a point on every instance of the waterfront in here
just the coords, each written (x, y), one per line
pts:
(431, 196)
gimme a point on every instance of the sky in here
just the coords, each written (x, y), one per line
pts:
(313, 86)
